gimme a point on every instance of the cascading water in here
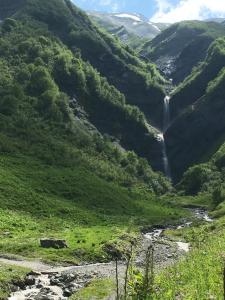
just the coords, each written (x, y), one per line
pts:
(166, 165)
(166, 123)
(166, 113)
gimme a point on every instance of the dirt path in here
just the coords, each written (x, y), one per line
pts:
(34, 265)
(103, 269)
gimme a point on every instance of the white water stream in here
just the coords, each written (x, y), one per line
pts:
(156, 234)
(165, 159)
(41, 290)
(160, 137)
(166, 113)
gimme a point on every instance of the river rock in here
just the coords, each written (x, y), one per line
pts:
(73, 287)
(29, 280)
(54, 281)
(52, 243)
(34, 273)
(14, 288)
(20, 284)
(67, 293)
(169, 255)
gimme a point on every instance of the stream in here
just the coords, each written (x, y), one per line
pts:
(58, 283)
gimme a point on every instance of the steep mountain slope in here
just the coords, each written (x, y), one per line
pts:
(39, 80)
(73, 150)
(140, 82)
(198, 107)
(182, 46)
(207, 177)
(63, 174)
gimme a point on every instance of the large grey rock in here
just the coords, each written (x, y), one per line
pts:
(52, 243)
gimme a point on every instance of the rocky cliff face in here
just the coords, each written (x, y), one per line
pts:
(185, 44)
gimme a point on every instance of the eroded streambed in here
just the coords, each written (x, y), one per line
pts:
(46, 282)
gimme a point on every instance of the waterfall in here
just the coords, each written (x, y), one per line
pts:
(166, 123)
(166, 113)
(165, 160)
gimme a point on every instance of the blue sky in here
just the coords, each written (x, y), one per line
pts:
(160, 10)
(145, 7)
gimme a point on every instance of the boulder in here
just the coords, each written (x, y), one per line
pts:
(29, 280)
(52, 243)
(67, 293)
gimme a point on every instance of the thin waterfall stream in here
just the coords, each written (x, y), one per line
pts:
(166, 113)
(166, 123)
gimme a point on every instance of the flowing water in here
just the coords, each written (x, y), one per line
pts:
(41, 289)
(165, 160)
(166, 123)
(156, 234)
(166, 113)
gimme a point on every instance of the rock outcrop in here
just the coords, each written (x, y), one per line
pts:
(52, 243)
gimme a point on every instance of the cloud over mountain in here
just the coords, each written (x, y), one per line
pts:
(171, 12)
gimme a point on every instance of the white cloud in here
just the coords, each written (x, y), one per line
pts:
(188, 10)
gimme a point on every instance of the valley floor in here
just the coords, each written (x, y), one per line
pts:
(37, 201)
(32, 208)
(167, 252)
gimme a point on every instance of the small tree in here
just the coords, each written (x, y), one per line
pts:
(217, 196)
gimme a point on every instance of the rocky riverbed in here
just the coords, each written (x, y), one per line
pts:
(46, 282)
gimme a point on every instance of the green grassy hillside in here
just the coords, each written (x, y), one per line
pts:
(78, 150)
(200, 274)
(40, 200)
(64, 172)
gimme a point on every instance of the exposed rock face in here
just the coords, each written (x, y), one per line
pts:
(51, 243)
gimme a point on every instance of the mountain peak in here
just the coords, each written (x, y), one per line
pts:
(136, 24)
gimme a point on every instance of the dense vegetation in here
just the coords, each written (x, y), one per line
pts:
(77, 148)
(207, 179)
(62, 127)
(138, 81)
(198, 102)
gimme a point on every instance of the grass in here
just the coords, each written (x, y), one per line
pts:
(38, 200)
(7, 275)
(97, 290)
(202, 200)
(200, 275)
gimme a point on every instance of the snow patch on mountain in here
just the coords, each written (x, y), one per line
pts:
(156, 27)
(128, 16)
